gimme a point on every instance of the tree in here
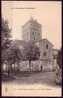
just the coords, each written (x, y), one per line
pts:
(31, 52)
(5, 38)
(59, 58)
(5, 34)
(14, 56)
(11, 54)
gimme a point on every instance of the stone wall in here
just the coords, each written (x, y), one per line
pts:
(37, 65)
(24, 66)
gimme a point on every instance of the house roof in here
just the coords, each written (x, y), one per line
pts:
(45, 40)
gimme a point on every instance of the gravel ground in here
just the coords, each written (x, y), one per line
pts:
(41, 82)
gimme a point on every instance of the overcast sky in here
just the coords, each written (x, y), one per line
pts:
(48, 14)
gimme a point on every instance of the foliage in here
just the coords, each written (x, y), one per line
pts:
(59, 58)
(5, 39)
(5, 34)
(14, 54)
(31, 51)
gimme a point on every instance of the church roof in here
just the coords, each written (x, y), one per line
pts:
(18, 42)
(23, 42)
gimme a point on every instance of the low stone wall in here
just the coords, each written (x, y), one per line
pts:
(36, 65)
(24, 66)
(46, 66)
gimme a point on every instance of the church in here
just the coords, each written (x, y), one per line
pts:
(32, 31)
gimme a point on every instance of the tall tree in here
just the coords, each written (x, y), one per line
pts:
(5, 36)
(59, 58)
(31, 52)
(14, 55)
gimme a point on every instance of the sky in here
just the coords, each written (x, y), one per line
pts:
(47, 13)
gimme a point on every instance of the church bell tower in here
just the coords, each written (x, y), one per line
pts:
(31, 30)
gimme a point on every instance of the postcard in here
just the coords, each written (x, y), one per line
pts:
(31, 48)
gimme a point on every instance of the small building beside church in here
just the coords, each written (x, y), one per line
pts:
(46, 52)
